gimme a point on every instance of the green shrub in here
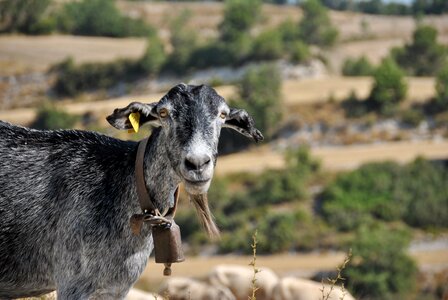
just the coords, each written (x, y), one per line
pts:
(50, 117)
(289, 32)
(355, 107)
(424, 189)
(442, 88)
(423, 56)
(268, 45)
(211, 54)
(411, 117)
(300, 52)
(259, 92)
(72, 79)
(357, 67)
(154, 58)
(387, 191)
(389, 87)
(315, 27)
(25, 16)
(183, 42)
(239, 17)
(99, 18)
(380, 267)
(276, 233)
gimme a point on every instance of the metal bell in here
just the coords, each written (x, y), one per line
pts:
(167, 245)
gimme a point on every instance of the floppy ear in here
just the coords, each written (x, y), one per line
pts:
(241, 121)
(120, 117)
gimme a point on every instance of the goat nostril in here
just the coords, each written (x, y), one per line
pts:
(190, 165)
(196, 163)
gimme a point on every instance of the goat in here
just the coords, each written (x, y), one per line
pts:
(66, 196)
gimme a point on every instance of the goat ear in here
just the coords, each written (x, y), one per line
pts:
(120, 117)
(241, 121)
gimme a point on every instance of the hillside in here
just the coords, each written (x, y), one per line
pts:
(22, 54)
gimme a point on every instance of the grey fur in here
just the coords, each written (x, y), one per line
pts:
(66, 196)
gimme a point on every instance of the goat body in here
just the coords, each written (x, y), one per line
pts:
(66, 198)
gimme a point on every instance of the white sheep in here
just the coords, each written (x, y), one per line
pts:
(290, 288)
(238, 279)
(181, 288)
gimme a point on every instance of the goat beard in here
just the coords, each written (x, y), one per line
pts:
(205, 216)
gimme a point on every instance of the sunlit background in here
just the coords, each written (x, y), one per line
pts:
(352, 97)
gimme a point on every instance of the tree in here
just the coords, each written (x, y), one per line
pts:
(268, 45)
(389, 87)
(315, 26)
(50, 117)
(442, 88)
(183, 42)
(154, 57)
(423, 56)
(260, 94)
(99, 18)
(357, 67)
(239, 17)
(380, 267)
(23, 15)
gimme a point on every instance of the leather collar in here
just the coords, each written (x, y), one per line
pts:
(150, 213)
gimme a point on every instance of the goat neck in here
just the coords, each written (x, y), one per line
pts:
(160, 178)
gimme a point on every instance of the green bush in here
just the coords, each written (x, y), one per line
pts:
(300, 52)
(72, 79)
(99, 18)
(380, 267)
(259, 92)
(357, 67)
(355, 107)
(411, 117)
(239, 17)
(389, 87)
(424, 190)
(289, 32)
(50, 117)
(25, 16)
(268, 45)
(442, 88)
(315, 27)
(154, 57)
(215, 53)
(276, 233)
(183, 42)
(387, 191)
(423, 56)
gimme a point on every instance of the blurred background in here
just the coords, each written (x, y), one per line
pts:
(352, 97)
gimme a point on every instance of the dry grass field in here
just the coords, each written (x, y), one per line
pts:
(295, 93)
(334, 158)
(282, 264)
(19, 54)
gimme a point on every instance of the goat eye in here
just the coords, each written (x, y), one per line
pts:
(163, 113)
(223, 115)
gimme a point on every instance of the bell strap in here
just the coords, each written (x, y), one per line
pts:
(150, 214)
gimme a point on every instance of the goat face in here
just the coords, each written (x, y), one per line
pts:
(191, 118)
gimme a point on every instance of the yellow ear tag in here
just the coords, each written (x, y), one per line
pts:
(134, 118)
